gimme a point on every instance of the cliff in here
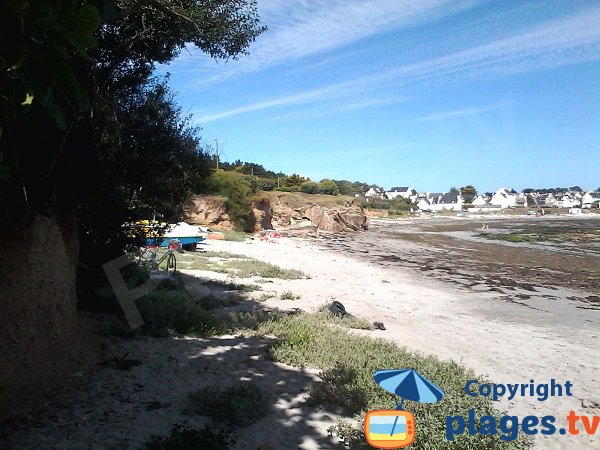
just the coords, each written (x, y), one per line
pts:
(327, 213)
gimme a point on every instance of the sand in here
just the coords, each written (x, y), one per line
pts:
(510, 344)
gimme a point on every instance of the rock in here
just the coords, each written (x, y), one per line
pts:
(276, 211)
(208, 210)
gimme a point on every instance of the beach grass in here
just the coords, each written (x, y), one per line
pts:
(289, 295)
(349, 362)
(236, 265)
(236, 236)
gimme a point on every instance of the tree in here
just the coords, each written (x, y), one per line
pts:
(160, 163)
(238, 203)
(468, 192)
(310, 187)
(329, 187)
(53, 68)
(294, 180)
(453, 189)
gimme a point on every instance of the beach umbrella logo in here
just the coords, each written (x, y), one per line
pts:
(391, 429)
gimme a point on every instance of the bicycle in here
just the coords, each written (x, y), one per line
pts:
(148, 257)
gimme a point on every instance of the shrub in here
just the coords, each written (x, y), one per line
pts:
(238, 203)
(310, 187)
(289, 295)
(236, 236)
(169, 312)
(329, 187)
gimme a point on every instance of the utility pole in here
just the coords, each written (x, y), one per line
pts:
(217, 152)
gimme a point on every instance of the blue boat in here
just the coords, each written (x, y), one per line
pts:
(187, 235)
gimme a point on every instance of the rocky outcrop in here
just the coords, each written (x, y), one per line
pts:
(275, 211)
(262, 216)
(333, 219)
(208, 210)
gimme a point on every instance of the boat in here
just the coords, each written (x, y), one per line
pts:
(188, 235)
(157, 234)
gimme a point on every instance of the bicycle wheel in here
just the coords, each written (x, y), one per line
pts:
(171, 264)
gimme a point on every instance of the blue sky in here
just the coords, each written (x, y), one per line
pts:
(426, 93)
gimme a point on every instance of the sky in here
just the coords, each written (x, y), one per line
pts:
(422, 93)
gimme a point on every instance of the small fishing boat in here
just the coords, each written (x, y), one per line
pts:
(188, 235)
(158, 234)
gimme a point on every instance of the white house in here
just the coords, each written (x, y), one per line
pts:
(479, 201)
(589, 198)
(567, 201)
(375, 194)
(404, 192)
(451, 201)
(504, 198)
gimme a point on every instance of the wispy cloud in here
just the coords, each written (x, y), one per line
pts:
(302, 28)
(458, 113)
(570, 40)
(344, 106)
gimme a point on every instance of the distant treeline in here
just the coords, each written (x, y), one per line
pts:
(268, 180)
(552, 190)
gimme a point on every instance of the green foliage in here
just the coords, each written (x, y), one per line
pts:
(238, 203)
(348, 320)
(235, 236)
(349, 362)
(220, 182)
(329, 187)
(310, 187)
(168, 312)
(185, 438)
(265, 184)
(294, 180)
(383, 204)
(42, 45)
(352, 188)
(468, 192)
(245, 268)
(289, 295)
(240, 404)
(137, 177)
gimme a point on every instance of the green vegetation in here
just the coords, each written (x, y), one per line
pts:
(398, 205)
(348, 320)
(266, 296)
(289, 295)
(349, 362)
(241, 404)
(236, 266)
(235, 236)
(173, 312)
(245, 268)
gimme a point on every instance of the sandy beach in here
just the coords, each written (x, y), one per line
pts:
(541, 332)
